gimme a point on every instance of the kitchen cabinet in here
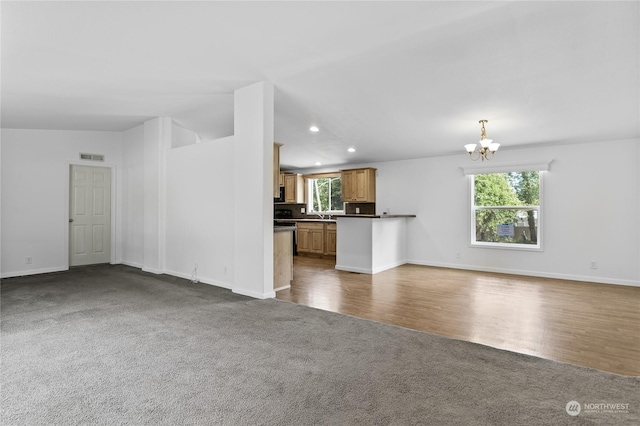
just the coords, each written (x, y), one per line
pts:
(276, 169)
(311, 237)
(359, 185)
(293, 188)
(317, 237)
(331, 234)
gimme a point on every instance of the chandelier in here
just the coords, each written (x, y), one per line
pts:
(485, 148)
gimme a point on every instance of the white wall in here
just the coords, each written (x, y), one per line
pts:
(35, 191)
(200, 212)
(253, 186)
(591, 205)
(594, 186)
(133, 197)
(182, 137)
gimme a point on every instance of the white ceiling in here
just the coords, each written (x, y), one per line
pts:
(395, 80)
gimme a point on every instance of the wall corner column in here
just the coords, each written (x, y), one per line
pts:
(157, 140)
(253, 186)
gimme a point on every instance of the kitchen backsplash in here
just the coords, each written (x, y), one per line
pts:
(364, 208)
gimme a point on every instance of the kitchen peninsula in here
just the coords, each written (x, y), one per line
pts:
(370, 243)
(282, 256)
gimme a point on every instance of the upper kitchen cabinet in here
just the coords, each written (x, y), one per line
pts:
(359, 185)
(293, 188)
(276, 169)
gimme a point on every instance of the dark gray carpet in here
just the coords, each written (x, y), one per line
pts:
(111, 345)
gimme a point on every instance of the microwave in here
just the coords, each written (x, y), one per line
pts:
(280, 199)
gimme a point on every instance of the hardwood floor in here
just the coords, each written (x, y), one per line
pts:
(588, 324)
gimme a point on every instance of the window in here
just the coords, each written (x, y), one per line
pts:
(324, 193)
(506, 210)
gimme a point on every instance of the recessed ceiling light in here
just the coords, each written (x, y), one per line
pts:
(351, 150)
(314, 129)
(318, 163)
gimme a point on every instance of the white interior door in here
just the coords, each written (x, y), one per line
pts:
(90, 215)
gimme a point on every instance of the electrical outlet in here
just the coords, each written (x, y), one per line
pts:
(225, 270)
(458, 255)
(357, 210)
(594, 265)
(29, 260)
(302, 210)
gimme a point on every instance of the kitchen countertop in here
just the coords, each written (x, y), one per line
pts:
(278, 228)
(333, 218)
(373, 216)
(308, 220)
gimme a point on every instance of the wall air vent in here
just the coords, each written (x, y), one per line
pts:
(92, 157)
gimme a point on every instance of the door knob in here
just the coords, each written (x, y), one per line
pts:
(70, 220)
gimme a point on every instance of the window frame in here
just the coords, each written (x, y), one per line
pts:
(506, 246)
(309, 192)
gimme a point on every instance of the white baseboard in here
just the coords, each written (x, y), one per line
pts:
(389, 266)
(254, 294)
(352, 269)
(614, 281)
(33, 272)
(369, 271)
(203, 280)
(132, 264)
(152, 271)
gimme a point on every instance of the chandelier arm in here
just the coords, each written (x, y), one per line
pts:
(475, 152)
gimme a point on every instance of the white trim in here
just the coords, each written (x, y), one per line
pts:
(152, 271)
(598, 280)
(506, 246)
(34, 272)
(84, 163)
(354, 269)
(268, 295)
(370, 271)
(517, 166)
(389, 266)
(308, 193)
(203, 280)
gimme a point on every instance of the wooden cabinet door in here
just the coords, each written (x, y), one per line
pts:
(348, 184)
(359, 185)
(311, 237)
(293, 188)
(316, 237)
(331, 241)
(303, 240)
(290, 188)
